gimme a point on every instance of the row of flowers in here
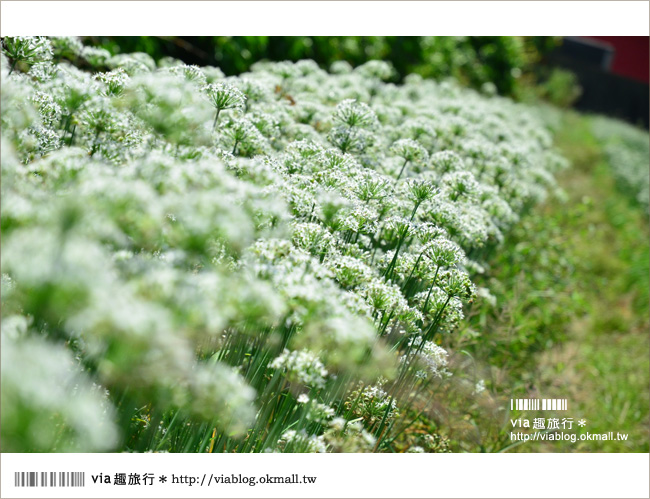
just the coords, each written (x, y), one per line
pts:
(256, 263)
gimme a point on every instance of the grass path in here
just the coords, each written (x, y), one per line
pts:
(571, 319)
(604, 365)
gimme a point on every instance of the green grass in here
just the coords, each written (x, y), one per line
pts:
(570, 321)
(609, 361)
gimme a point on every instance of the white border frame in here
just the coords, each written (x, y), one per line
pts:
(322, 18)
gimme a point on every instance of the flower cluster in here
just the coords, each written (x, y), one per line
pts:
(373, 404)
(28, 49)
(302, 367)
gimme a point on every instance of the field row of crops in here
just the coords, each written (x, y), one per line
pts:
(263, 263)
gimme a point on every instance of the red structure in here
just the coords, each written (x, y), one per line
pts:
(631, 55)
(613, 72)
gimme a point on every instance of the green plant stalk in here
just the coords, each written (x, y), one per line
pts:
(401, 171)
(216, 119)
(405, 288)
(434, 323)
(433, 283)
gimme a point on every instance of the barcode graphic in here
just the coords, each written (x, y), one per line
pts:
(49, 479)
(539, 404)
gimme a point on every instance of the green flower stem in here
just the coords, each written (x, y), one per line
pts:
(408, 280)
(380, 433)
(433, 283)
(391, 267)
(71, 141)
(216, 119)
(434, 323)
(401, 171)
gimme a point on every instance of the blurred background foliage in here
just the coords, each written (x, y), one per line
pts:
(509, 63)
